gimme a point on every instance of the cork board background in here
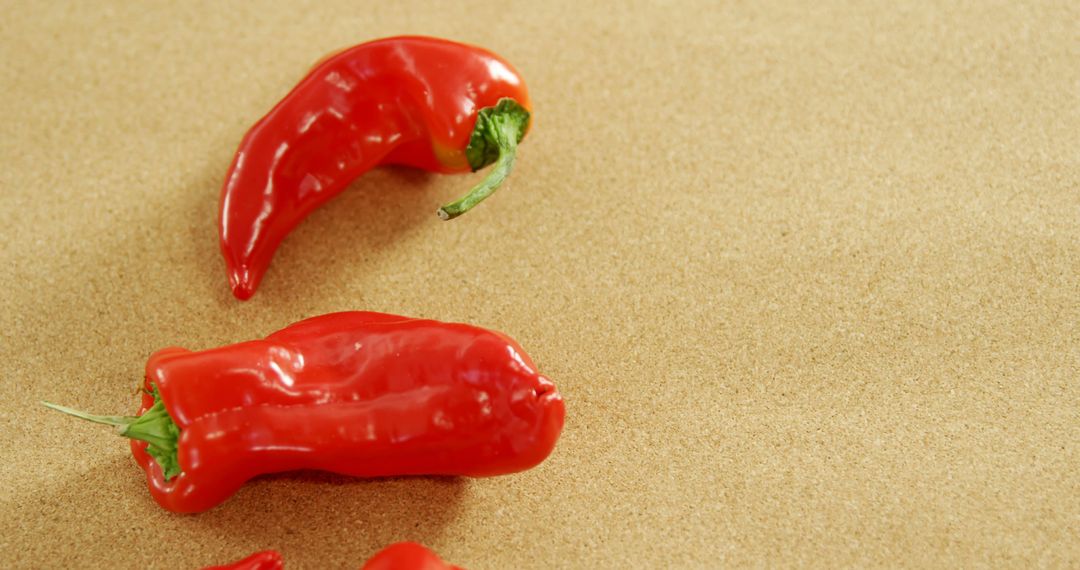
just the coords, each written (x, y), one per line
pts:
(807, 277)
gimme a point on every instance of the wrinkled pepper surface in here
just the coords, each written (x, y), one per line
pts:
(357, 393)
(422, 102)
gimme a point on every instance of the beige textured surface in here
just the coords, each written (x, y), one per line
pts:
(808, 278)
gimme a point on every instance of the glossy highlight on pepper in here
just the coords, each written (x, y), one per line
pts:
(422, 102)
(356, 393)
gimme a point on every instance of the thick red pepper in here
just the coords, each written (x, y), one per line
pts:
(358, 393)
(421, 102)
(265, 560)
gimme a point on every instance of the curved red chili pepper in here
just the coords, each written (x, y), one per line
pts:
(422, 102)
(359, 393)
(265, 560)
(407, 556)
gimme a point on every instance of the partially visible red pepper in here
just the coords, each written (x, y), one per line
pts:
(422, 102)
(397, 556)
(361, 394)
(265, 560)
(407, 556)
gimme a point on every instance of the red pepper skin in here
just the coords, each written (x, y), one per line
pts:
(265, 560)
(358, 393)
(397, 556)
(410, 101)
(407, 556)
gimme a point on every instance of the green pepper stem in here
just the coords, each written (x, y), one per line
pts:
(494, 139)
(486, 187)
(156, 427)
(119, 421)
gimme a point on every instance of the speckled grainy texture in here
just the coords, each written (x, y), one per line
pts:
(808, 278)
